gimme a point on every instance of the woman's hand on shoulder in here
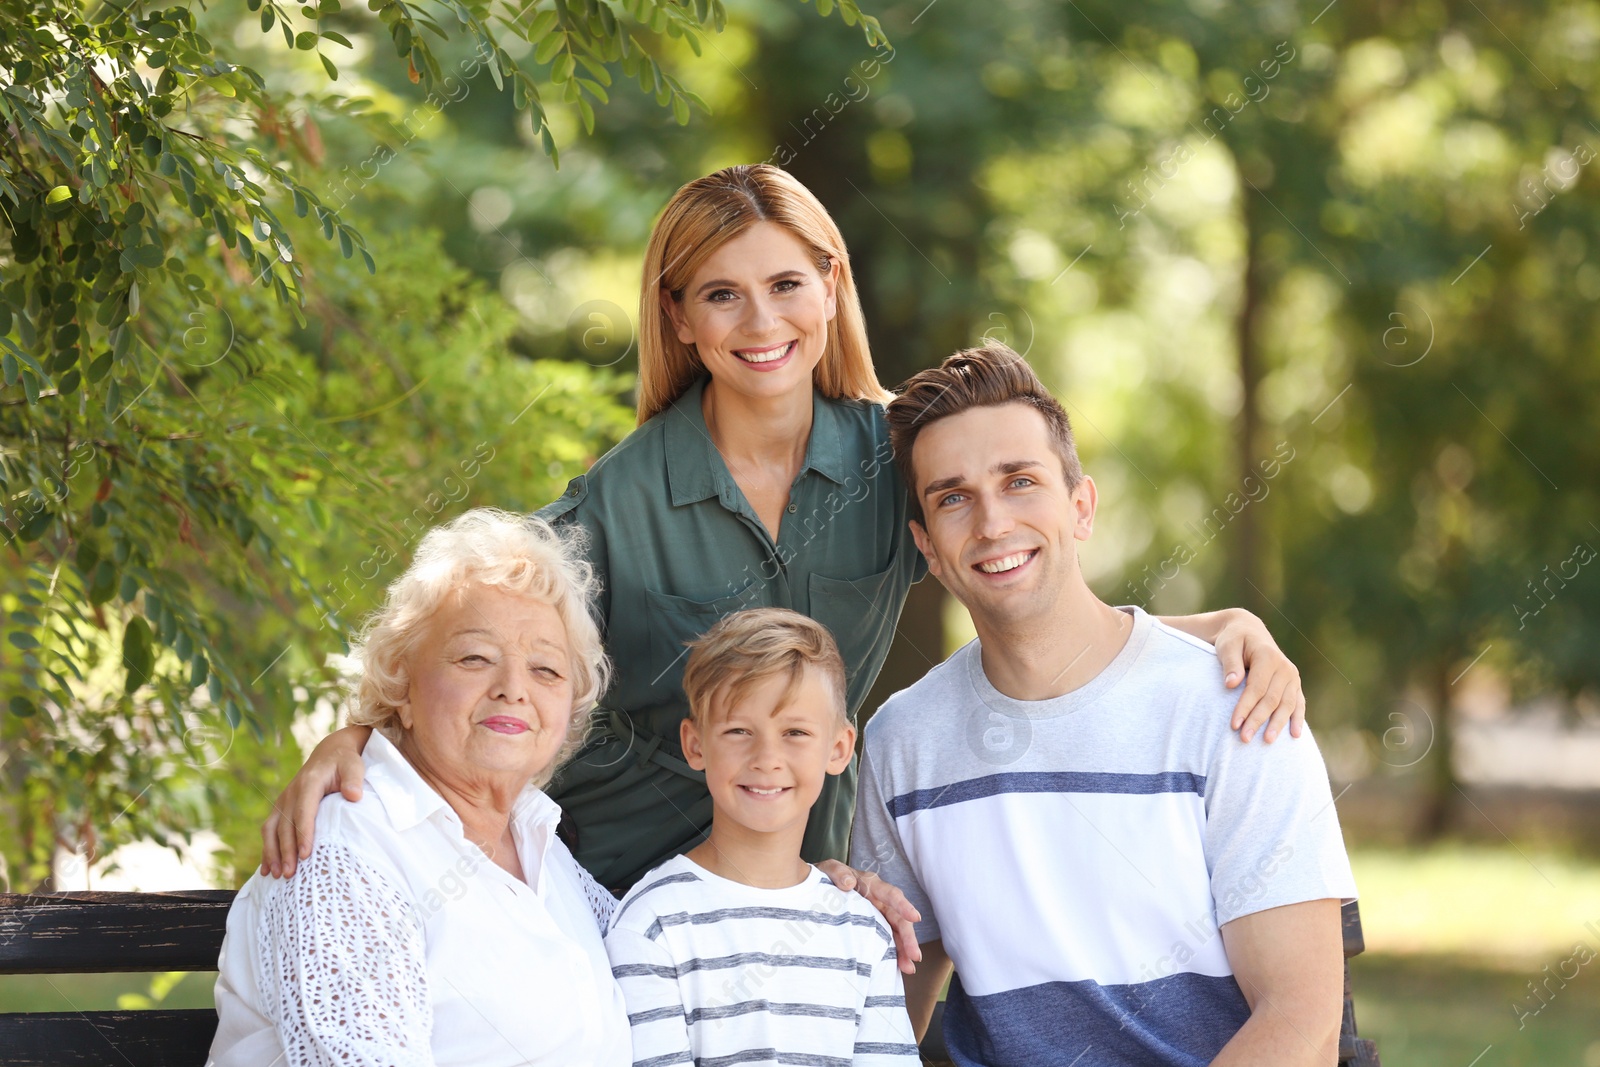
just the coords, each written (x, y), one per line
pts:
(334, 767)
(889, 900)
(1272, 695)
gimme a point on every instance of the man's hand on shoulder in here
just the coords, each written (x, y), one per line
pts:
(897, 911)
(1289, 962)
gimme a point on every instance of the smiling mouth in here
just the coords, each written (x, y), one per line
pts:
(1006, 564)
(776, 790)
(765, 355)
(500, 724)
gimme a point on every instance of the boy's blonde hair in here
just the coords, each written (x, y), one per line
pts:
(747, 648)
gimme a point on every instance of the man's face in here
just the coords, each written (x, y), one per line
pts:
(999, 523)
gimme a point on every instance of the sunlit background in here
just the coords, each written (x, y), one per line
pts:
(1314, 282)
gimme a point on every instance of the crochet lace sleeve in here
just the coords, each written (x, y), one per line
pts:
(601, 902)
(342, 967)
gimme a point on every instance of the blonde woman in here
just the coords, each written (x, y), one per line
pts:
(760, 475)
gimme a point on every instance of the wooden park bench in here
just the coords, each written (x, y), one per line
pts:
(94, 933)
(1354, 1051)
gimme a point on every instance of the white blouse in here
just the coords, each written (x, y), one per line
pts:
(399, 943)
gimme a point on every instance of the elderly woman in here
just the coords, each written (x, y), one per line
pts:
(439, 920)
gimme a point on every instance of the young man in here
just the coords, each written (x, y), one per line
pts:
(740, 952)
(1115, 877)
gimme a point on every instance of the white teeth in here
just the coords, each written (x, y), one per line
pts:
(1008, 563)
(763, 792)
(766, 357)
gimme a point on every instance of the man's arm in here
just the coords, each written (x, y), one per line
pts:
(923, 987)
(880, 870)
(1289, 963)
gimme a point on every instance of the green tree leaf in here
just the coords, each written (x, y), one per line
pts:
(138, 657)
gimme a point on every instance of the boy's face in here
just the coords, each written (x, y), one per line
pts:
(765, 764)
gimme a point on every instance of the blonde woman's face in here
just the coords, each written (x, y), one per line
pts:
(490, 696)
(757, 312)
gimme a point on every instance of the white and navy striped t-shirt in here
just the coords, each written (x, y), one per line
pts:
(715, 972)
(1077, 856)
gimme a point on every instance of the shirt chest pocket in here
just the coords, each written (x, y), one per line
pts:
(861, 614)
(674, 621)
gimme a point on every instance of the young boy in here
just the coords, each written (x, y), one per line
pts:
(739, 951)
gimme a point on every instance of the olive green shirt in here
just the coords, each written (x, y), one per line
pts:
(677, 546)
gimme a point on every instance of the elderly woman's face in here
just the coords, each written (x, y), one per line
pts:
(491, 686)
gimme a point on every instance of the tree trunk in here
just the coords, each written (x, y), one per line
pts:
(1438, 816)
(1245, 545)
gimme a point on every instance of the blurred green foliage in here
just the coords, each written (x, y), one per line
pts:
(1316, 283)
(216, 437)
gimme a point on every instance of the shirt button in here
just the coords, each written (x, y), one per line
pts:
(793, 508)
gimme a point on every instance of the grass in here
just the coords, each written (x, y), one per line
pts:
(1508, 908)
(1438, 1011)
(1455, 934)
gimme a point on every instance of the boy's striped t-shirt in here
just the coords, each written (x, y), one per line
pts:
(717, 973)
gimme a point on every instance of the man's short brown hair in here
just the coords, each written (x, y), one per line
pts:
(974, 378)
(747, 648)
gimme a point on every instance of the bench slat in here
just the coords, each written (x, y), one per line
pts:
(107, 1038)
(1350, 916)
(83, 933)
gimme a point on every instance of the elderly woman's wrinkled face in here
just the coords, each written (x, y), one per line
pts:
(491, 688)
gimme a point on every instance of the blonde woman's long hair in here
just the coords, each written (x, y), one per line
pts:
(702, 217)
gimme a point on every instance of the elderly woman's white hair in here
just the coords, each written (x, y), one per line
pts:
(517, 554)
